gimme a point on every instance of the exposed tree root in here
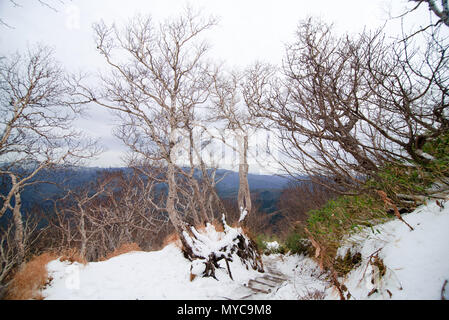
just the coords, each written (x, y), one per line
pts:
(205, 253)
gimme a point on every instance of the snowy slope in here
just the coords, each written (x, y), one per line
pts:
(417, 262)
(417, 265)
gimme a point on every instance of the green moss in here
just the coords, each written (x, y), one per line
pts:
(297, 243)
(343, 216)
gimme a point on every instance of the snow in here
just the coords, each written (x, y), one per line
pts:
(163, 274)
(243, 213)
(272, 246)
(417, 261)
(304, 276)
(211, 241)
(425, 155)
(417, 265)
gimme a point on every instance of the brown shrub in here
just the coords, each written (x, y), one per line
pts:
(172, 238)
(72, 255)
(296, 200)
(31, 278)
(124, 248)
(218, 226)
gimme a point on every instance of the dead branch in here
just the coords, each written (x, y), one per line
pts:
(389, 204)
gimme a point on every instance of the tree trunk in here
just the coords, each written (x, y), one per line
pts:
(171, 199)
(82, 233)
(201, 201)
(244, 195)
(18, 236)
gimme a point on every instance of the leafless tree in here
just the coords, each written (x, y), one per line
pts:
(228, 107)
(439, 10)
(234, 122)
(99, 217)
(37, 112)
(10, 253)
(315, 129)
(345, 106)
(159, 78)
(156, 92)
(409, 95)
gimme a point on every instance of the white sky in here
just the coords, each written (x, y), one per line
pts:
(248, 30)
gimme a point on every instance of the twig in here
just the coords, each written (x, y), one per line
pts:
(368, 263)
(443, 290)
(387, 201)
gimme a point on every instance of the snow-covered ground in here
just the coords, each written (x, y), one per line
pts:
(417, 262)
(163, 274)
(417, 265)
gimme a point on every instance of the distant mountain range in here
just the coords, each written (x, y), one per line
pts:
(229, 186)
(268, 187)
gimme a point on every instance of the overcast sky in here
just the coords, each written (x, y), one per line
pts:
(248, 30)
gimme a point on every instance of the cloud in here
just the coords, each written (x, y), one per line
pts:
(73, 15)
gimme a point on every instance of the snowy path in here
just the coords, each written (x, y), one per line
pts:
(264, 285)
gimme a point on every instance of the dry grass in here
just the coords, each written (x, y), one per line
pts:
(124, 248)
(218, 226)
(172, 238)
(31, 278)
(72, 255)
(313, 295)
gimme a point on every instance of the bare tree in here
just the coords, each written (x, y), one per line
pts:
(157, 90)
(37, 112)
(227, 102)
(114, 210)
(344, 107)
(439, 10)
(308, 107)
(231, 97)
(159, 78)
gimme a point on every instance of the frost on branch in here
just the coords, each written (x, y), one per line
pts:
(208, 248)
